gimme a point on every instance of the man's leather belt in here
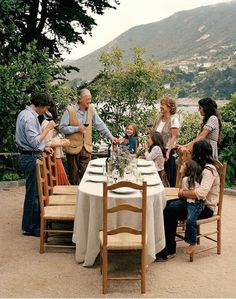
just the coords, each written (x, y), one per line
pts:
(30, 152)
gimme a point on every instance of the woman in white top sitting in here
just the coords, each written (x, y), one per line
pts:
(155, 151)
(167, 123)
(208, 189)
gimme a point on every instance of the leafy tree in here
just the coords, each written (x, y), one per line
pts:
(26, 72)
(228, 145)
(214, 83)
(54, 24)
(128, 91)
(190, 127)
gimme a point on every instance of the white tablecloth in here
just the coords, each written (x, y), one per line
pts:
(88, 217)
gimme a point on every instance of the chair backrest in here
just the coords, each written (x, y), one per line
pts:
(42, 182)
(222, 173)
(183, 156)
(141, 208)
(51, 167)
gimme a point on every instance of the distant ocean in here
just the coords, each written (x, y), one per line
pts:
(191, 104)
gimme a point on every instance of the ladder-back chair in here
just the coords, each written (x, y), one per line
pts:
(54, 188)
(215, 219)
(50, 213)
(123, 239)
(172, 192)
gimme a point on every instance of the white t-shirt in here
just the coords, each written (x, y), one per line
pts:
(174, 123)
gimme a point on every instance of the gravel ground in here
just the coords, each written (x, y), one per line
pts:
(24, 273)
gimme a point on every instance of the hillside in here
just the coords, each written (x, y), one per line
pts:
(203, 35)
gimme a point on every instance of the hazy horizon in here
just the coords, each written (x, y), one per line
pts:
(123, 18)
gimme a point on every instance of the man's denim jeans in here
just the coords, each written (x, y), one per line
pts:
(194, 210)
(31, 212)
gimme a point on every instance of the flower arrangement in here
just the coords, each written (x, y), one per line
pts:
(122, 160)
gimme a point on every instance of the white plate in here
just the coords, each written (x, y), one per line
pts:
(95, 170)
(144, 163)
(95, 179)
(97, 163)
(124, 190)
(152, 180)
(148, 171)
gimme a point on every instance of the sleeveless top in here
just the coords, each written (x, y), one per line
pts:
(164, 127)
(79, 140)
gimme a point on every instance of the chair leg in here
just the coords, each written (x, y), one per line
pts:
(100, 259)
(42, 235)
(198, 233)
(104, 271)
(143, 272)
(218, 236)
(191, 257)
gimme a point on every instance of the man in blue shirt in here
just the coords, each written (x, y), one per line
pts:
(76, 124)
(29, 138)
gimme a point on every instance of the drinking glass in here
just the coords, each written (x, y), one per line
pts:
(128, 173)
(115, 174)
(104, 170)
(139, 177)
(110, 179)
(134, 162)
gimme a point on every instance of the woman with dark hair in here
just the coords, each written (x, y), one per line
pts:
(211, 126)
(155, 151)
(208, 190)
(52, 139)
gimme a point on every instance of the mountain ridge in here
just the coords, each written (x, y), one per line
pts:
(183, 37)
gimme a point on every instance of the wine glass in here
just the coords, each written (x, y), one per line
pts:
(128, 173)
(115, 174)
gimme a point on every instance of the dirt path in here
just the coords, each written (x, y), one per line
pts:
(26, 273)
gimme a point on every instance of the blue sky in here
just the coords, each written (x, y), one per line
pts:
(129, 14)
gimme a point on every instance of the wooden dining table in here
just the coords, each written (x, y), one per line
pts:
(89, 209)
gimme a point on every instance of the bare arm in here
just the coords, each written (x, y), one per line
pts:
(188, 147)
(59, 142)
(51, 125)
(203, 189)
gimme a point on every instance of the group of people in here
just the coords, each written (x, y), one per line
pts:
(200, 184)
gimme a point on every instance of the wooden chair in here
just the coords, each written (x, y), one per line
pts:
(54, 188)
(123, 239)
(216, 219)
(54, 199)
(51, 213)
(172, 192)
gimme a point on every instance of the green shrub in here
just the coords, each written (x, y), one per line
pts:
(227, 148)
(190, 127)
(10, 176)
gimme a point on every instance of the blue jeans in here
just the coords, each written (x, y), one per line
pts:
(174, 211)
(194, 211)
(31, 212)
